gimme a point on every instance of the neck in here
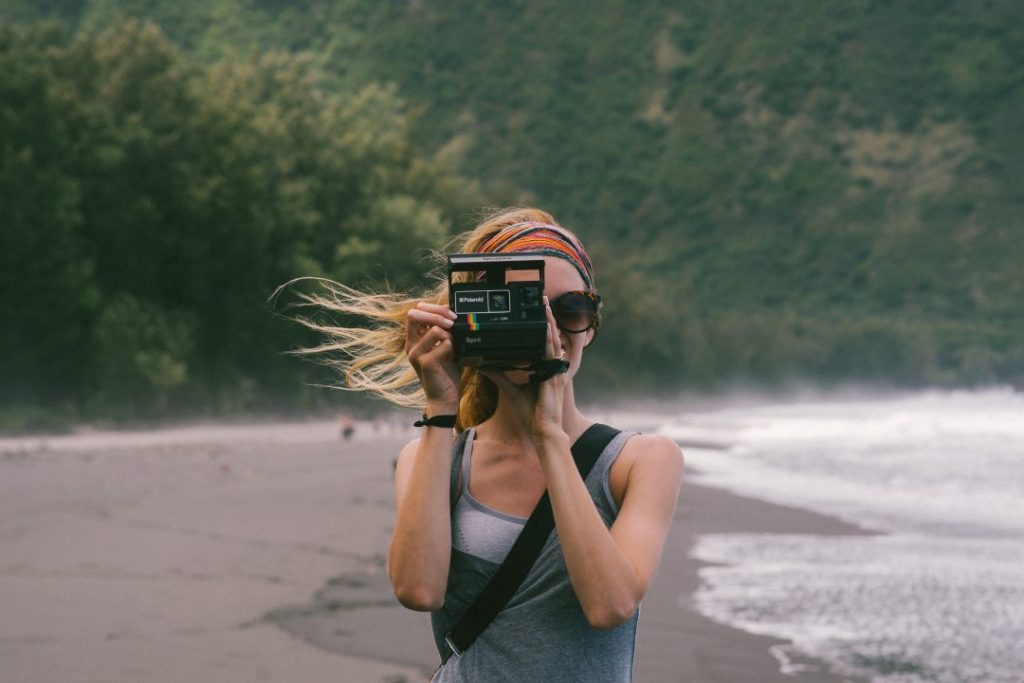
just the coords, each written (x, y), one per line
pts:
(505, 425)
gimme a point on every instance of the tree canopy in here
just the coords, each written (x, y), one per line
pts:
(153, 202)
(825, 190)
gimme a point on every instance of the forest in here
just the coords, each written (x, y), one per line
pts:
(826, 192)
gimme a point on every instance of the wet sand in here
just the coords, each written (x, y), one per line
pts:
(249, 553)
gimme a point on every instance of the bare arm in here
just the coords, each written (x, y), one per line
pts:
(611, 569)
(421, 543)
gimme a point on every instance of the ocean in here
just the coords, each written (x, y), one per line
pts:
(938, 595)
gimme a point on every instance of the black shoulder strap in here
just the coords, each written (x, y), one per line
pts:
(524, 552)
(458, 450)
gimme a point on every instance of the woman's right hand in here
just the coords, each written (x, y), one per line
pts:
(428, 344)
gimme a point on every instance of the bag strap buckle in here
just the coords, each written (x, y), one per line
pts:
(452, 646)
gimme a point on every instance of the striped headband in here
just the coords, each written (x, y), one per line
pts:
(549, 240)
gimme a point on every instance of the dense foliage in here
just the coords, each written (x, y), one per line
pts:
(152, 203)
(816, 189)
(828, 189)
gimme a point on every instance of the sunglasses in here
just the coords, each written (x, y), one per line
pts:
(576, 311)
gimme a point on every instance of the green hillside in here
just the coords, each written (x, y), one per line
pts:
(831, 190)
(824, 187)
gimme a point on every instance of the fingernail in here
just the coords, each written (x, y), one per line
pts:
(447, 322)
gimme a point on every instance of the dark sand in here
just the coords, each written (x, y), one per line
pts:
(256, 553)
(675, 642)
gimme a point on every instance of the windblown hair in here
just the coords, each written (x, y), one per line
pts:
(373, 358)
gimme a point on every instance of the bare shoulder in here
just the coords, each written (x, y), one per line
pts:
(409, 450)
(653, 451)
(653, 459)
(406, 457)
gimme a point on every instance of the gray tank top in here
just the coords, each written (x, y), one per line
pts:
(541, 634)
(477, 529)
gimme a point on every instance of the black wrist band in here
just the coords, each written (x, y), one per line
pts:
(436, 421)
(549, 367)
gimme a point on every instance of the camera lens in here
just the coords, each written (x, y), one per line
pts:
(498, 302)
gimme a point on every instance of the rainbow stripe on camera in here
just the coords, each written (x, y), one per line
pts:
(474, 325)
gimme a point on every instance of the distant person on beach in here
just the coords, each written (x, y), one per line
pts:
(346, 426)
(463, 495)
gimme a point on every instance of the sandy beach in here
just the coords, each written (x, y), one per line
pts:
(256, 553)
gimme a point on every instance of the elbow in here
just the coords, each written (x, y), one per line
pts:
(415, 585)
(609, 615)
(419, 601)
(419, 597)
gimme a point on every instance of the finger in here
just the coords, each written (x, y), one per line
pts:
(418, 323)
(414, 331)
(430, 339)
(440, 354)
(554, 344)
(439, 309)
(426, 343)
(429, 318)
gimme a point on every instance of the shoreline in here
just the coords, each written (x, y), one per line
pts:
(693, 647)
(675, 642)
(48, 423)
(227, 554)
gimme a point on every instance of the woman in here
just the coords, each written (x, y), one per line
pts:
(574, 617)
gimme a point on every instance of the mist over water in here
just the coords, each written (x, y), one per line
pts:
(940, 596)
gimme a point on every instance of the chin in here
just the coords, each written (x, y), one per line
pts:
(518, 377)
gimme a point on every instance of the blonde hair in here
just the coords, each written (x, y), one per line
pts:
(373, 358)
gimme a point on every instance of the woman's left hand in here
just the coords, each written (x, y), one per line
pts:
(538, 404)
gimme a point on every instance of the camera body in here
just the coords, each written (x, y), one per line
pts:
(500, 322)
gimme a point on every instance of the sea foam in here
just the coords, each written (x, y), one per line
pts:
(940, 597)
